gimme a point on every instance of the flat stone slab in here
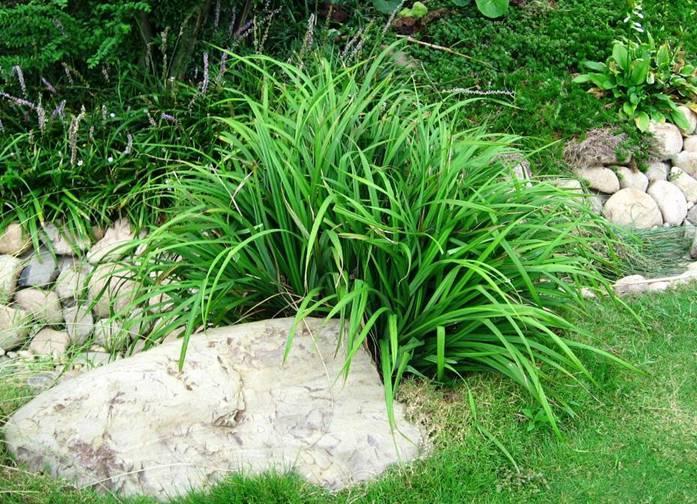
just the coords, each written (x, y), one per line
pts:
(140, 426)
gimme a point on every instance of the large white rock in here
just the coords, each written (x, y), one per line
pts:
(686, 183)
(62, 241)
(112, 246)
(111, 290)
(599, 178)
(631, 207)
(41, 270)
(657, 170)
(141, 426)
(691, 119)
(670, 200)
(42, 305)
(667, 140)
(13, 241)
(14, 327)
(10, 268)
(49, 342)
(690, 144)
(687, 162)
(632, 178)
(632, 284)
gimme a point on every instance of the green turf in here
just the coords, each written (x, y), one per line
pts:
(634, 439)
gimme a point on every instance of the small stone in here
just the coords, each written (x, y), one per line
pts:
(691, 119)
(110, 334)
(667, 140)
(686, 183)
(42, 381)
(41, 270)
(79, 323)
(15, 325)
(13, 241)
(632, 178)
(597, 202)
(631, 207)
(693, 249)
(632, 284)
(10, 267)
(568, 184)
(111, 290)
(657, 170)
(25, 354)
(72, 281)
(587, 293)
(62, 241)
(599, 178)
(690, 144)
(687, 162)
(113, 245)
(671, 201)
(658, 286)
(49, 342)
(42, 305)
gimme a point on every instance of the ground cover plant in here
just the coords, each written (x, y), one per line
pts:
(340, 195)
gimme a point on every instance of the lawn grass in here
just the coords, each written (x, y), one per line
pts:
(634, 439)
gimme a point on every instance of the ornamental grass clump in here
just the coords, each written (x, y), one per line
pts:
(338, 193)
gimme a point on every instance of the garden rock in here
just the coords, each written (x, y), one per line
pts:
(139, 426)
(632, 178)
(111, 290)
(41, 270)
(684, 182)
(109, 333)
(14, 327)
(657, 170)
(631, 207)
(568, 184)
(671, 202)
(667, 140)
(600, 178)
(42, 305)
(692, 215)
(111, 246)
(632, 284)
(10, 268)
(690, 144)
(49, 342)
(93, 359)
(687, 162)
(72, 281)
(691, 119)
(13, 241)
(62, 241)
(79, 323)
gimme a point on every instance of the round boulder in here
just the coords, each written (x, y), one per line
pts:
(667, 140)
(671, 201)
(600, 178)
(632, 207)
(632, 178)
(691, 119)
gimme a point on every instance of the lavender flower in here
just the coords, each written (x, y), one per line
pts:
(48, 85)
(204, 84)
(59, 110)
(72, 135)
(129, 144)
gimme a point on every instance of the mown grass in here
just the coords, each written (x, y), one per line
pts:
(633, 441)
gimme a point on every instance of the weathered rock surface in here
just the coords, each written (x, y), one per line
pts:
(632, 178)
(79, 323)
(687, 162)
(140, 426)
(599, 178)
(632, 284)
(49, 342)
(111, 290)
(657, 170)
(63, 241)
(667, 140)
(671, 202)
(72, 281)
(14, 327)
(684, 182)
(42, 305)
(631, 207)
(111, 246)
(41, 270)
(690, 144)
(109, 333)
(10, 267)
(692, 215)
(13, 241)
